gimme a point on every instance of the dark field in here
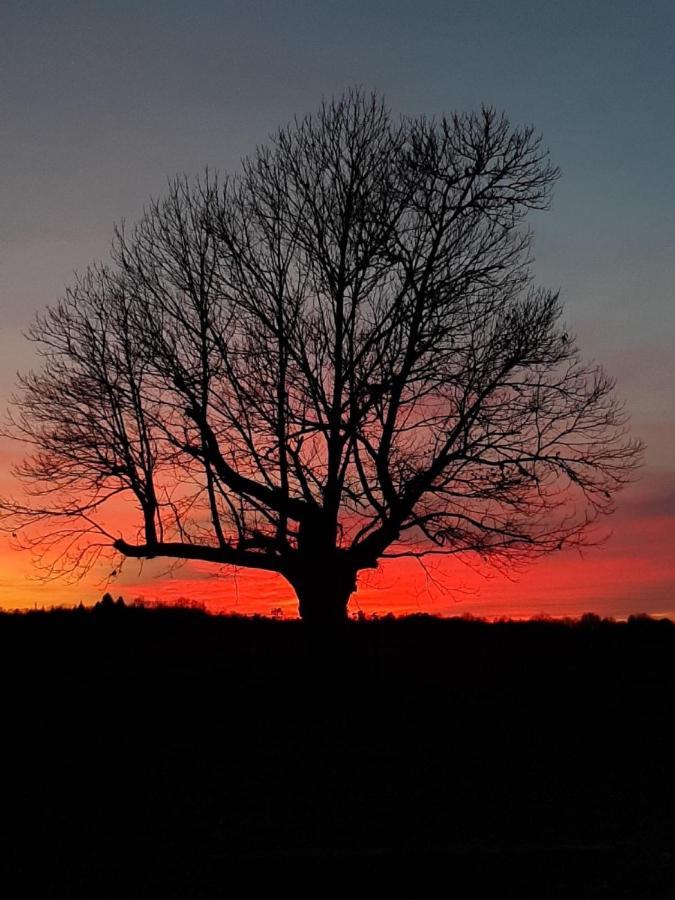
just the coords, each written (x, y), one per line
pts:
(168, 753)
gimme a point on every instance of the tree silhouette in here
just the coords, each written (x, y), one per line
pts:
(334, 356)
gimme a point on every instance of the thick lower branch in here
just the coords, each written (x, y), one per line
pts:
(222, 555)
(273, 498)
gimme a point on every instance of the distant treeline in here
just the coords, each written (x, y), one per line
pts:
(194, 610)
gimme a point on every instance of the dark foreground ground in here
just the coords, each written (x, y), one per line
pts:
(168, 753)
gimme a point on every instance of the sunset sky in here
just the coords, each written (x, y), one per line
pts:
(102, 101)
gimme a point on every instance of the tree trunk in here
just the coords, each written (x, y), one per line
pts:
(323, 588)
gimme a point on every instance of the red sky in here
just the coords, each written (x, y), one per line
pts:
(633, 572)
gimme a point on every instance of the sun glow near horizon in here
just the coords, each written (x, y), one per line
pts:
(632, 573)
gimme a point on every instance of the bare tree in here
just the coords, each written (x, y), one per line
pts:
(335, 356)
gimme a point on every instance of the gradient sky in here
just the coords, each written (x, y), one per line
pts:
(101, 101)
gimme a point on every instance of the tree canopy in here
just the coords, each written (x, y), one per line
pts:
(336, 354)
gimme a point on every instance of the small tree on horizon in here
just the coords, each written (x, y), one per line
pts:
(335, 356)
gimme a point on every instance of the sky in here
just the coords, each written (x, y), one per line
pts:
(101, 102)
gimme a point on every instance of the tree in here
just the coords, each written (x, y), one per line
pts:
(334, 356)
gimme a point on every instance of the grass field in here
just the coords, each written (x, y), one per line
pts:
(168, 752)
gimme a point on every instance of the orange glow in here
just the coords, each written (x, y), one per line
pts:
(633, 572)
